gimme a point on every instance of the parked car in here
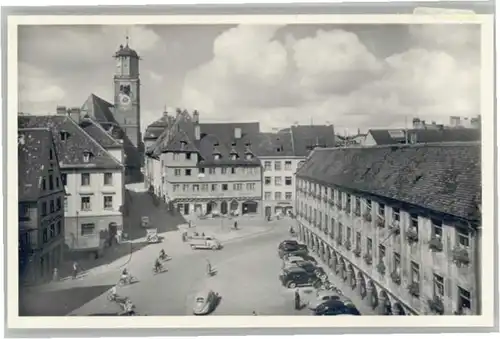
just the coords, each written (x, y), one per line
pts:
(205, 243)
(287, 243)
(321, 297)
(290, 259)
(308, 266)
(320, 272)
(335, 307)
(205, 302)
(303, 254)
(295, 276)
(296, 249)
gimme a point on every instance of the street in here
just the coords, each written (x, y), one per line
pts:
(247, 280)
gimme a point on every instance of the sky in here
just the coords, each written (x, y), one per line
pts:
(351, 76)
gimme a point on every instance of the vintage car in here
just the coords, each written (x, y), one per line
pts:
(321, 297)
(291, 259)
(295, 276)
(205, 302)
(335, 307)
(206, 242)
(302, 254)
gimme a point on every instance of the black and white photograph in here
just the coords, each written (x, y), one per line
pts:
(271, 169)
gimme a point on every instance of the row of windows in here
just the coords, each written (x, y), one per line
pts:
(278, 181)
(268, 165)
(277, 195)
(54, 205)
(86, 203)
(217, 156)
(464, 297)
(51, 232)
(213, 170)
(364, 208)
(213, 187)
(50, 183)
(85, 179)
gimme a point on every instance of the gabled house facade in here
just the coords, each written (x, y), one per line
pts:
(41, 213)
(92, 178)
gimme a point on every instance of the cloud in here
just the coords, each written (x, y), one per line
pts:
(333, 76)
(35, 88)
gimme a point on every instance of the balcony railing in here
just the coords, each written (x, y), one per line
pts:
(357, 252)
(381, 268)
(414, 289)
(396, 278)
(347, 245)
(368, 258)
(394, 228)
(436, 244)
(412, 235)
(357, 211)
(367, 216)
(461, 256)
(436, 305)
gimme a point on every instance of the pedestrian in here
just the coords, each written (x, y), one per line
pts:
(75, 269)
(235, 225)
(55, 275)
(297, 299)
(184, 236)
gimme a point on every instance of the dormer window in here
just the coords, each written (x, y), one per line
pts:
(217, 156)
(87, 155)
(249, 156)
(64, 135)
(233, 154)
(183, 145)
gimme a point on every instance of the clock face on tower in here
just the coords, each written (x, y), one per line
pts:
(125, 96)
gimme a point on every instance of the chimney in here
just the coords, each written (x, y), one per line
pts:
(74, 114)
(196, 117)
(61, 110)
(237, 133)
(197, 133)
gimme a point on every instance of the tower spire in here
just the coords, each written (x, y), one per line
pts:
(126, 37)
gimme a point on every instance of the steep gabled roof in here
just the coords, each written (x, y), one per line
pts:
(306, 137)
(71, 142)
(98, 109)
(33, 161)
(97, 132)
(445, 178)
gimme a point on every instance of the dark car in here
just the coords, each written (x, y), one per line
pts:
(335, 307)
(295, 276)
(288, 243)
(290, 247)
(307, 266)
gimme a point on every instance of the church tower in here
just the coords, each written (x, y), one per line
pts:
(127, 93)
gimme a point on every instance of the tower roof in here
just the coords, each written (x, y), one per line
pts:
(126, 51)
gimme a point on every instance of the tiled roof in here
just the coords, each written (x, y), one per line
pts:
(98, 109)
(71, 150)
(383, 137)
(445, 178)
(272, 144)
(33, 156)
(305, 137)
(99, 134)
(154, 130)
(101, 111)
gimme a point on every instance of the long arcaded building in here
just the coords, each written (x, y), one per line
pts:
(401, 224)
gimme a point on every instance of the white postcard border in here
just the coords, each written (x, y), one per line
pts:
(190, 322)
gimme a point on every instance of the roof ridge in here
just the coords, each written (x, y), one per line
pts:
(104, 131)
(95, 141)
